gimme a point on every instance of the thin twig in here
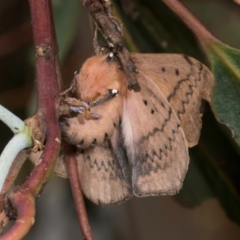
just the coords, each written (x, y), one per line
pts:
(71, 165)
(14, 170)
(192, 22)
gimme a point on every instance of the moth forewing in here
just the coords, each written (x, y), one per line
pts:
(154, 140)
(184, 81)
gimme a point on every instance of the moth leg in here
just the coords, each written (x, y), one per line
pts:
(98, 50)
(71, 88)
(118, 24)
(71, 107)
(95, 43)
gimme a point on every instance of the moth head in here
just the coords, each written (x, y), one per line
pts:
(98, 78)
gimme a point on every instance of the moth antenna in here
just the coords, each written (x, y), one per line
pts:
(112, 93)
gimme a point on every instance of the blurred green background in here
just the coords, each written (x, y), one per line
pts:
(208, 206)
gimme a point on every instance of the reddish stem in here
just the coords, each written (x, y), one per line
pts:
(14, 170)
(193, 23)
(48, 83)
(72, 168)
(48, 90)
(25, 203)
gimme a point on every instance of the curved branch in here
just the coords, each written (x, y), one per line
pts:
(26, 214)
(14, 170)
(49, 84)
(192, 22)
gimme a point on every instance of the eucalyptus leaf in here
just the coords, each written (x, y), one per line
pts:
(225, 63)
(214, 170)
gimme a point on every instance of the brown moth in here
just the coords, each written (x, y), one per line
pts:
(139, 143)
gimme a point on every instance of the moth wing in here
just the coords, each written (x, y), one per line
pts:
(103, 173)
(184, 81)
(154, 140)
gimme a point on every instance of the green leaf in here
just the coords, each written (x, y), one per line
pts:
(225, 63)
(213, 171)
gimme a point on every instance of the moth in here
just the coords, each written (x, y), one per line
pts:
(138, 144)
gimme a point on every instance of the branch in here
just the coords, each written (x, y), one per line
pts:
(49, 85)
(205, 37)
(22, 198)
(14, 170)
(72, 168)
(24, 201)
